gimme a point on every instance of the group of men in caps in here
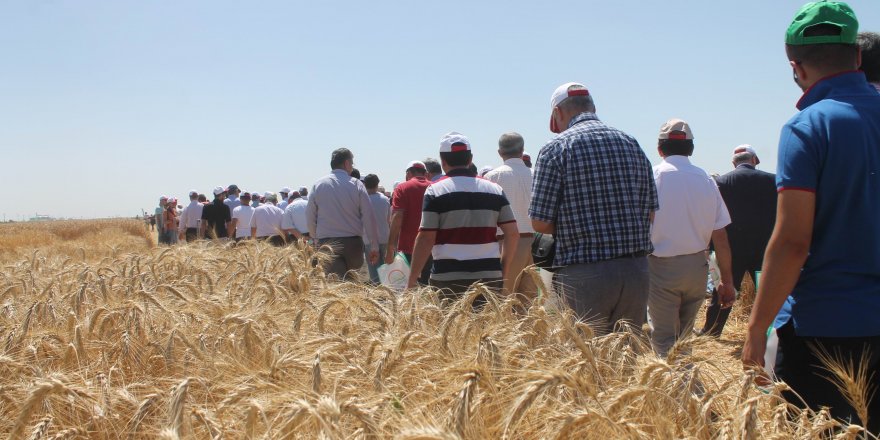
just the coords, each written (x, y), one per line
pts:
(632, 239)
(233, 214)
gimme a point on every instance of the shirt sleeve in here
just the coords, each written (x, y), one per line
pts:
(546, 185)
(798, 160)
(430, 216)
(228, 213)
(396, 199)
(287, 219)
(312, 215)
(722, 216)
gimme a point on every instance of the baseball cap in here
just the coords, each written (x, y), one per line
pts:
(417, 164)
(676, 129)
(245, 195)
(193, 193)
(453, 142)
(823, 12)
(746, 148)
(219, 190)
(284, 190)
(232, 188)
(567, 90)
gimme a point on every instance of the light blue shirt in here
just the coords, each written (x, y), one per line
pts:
(339, 206)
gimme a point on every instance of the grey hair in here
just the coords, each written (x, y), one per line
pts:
(511, 143)
(741, 158)
(271, 197)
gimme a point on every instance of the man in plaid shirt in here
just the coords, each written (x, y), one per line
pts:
(594, 191)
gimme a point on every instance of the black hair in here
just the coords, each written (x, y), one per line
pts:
(824, 55)
(676, 147)
(457, 158)
(371, 181)
(869, 42)
(356, 173)
(339, 156)
(472, 168)
(433, 166)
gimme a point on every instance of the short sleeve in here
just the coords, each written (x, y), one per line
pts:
(798, 160)
(396, 197)
(430, 216)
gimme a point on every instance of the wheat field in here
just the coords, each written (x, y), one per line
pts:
(105, 335)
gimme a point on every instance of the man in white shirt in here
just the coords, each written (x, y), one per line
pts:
(241, 218)
(266, 221)
(515, 178)
(190, 218)
(382, 210)
(294, 221)
(283, 195)
(692, 213)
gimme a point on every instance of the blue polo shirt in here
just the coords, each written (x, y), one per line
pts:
(832, 148)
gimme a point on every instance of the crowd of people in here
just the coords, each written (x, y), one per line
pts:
(631, 239)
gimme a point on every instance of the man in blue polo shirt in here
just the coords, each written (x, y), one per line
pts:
(822, 266)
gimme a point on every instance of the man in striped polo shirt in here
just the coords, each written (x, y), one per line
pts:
(459, 219)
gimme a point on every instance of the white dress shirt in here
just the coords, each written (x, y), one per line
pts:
(295, 216)
(515, 178)
(243, 213)
(691, 208)
(190, 216)
(267, 220)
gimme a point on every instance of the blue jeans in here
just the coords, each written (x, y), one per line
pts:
(605, 292)
(372, 268)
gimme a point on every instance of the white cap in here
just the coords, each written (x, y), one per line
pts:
(284, 190)
(416, 164)
(453, 142)
(256, 195)
(746, 148)
(676, 129)
(193, 192)
(566, 90)
(219, 190)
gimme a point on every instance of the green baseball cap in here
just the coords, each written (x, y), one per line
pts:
(823, 12)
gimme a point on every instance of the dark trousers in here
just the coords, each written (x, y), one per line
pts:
(743, 261)
(425, 276)
(192, 234)
(454, 290)
(274, 240)
(800, 368)
(346, 255)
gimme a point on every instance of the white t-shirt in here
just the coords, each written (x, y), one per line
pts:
(243, 213)
(691, 208)
(267, 220)
(515, 178)
(295, 216)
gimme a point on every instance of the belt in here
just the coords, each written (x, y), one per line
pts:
(521, 235)
(637, 254)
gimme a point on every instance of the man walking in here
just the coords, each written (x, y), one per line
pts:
(159, 215)
(295, 223)
(406, 216)
(594, 191)
(232, 195)
(338, 212)
(382, 213)
(821, 270)
(190, 218)
(750, 197)
(216, 216)
(691, 214)
(266, 221)
(515, 178)
(460, 215)
(435, 171)
(283, 195)
(240, 225)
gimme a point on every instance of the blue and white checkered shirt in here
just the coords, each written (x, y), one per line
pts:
(596, 185)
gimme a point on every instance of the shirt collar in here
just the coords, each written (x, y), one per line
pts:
(677, 160)
(832, 85)
(585, 116)
(455, 172)
(341, 172)
(515, 161)
(746, 165)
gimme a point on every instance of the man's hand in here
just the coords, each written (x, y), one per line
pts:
(726, 295)
(181, 236)
(389, 254)
(374, 256)
(753, 354)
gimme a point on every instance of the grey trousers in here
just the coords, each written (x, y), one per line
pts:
(605, 292)
(678, 289)
(347, 256)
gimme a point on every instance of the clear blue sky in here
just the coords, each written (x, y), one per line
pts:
(105, 105)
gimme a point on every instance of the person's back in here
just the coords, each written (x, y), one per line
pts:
(408, 198)
(242, 214)
(216, 216)
(297, 209)
(266, 220)
(750, 196)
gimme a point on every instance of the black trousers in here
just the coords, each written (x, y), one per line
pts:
(425, 276)
(454, 290)
(192, 234)
(274, 240)
(749, 260)
(798, 365)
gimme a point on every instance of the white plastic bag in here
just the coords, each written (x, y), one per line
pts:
(396, 274)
